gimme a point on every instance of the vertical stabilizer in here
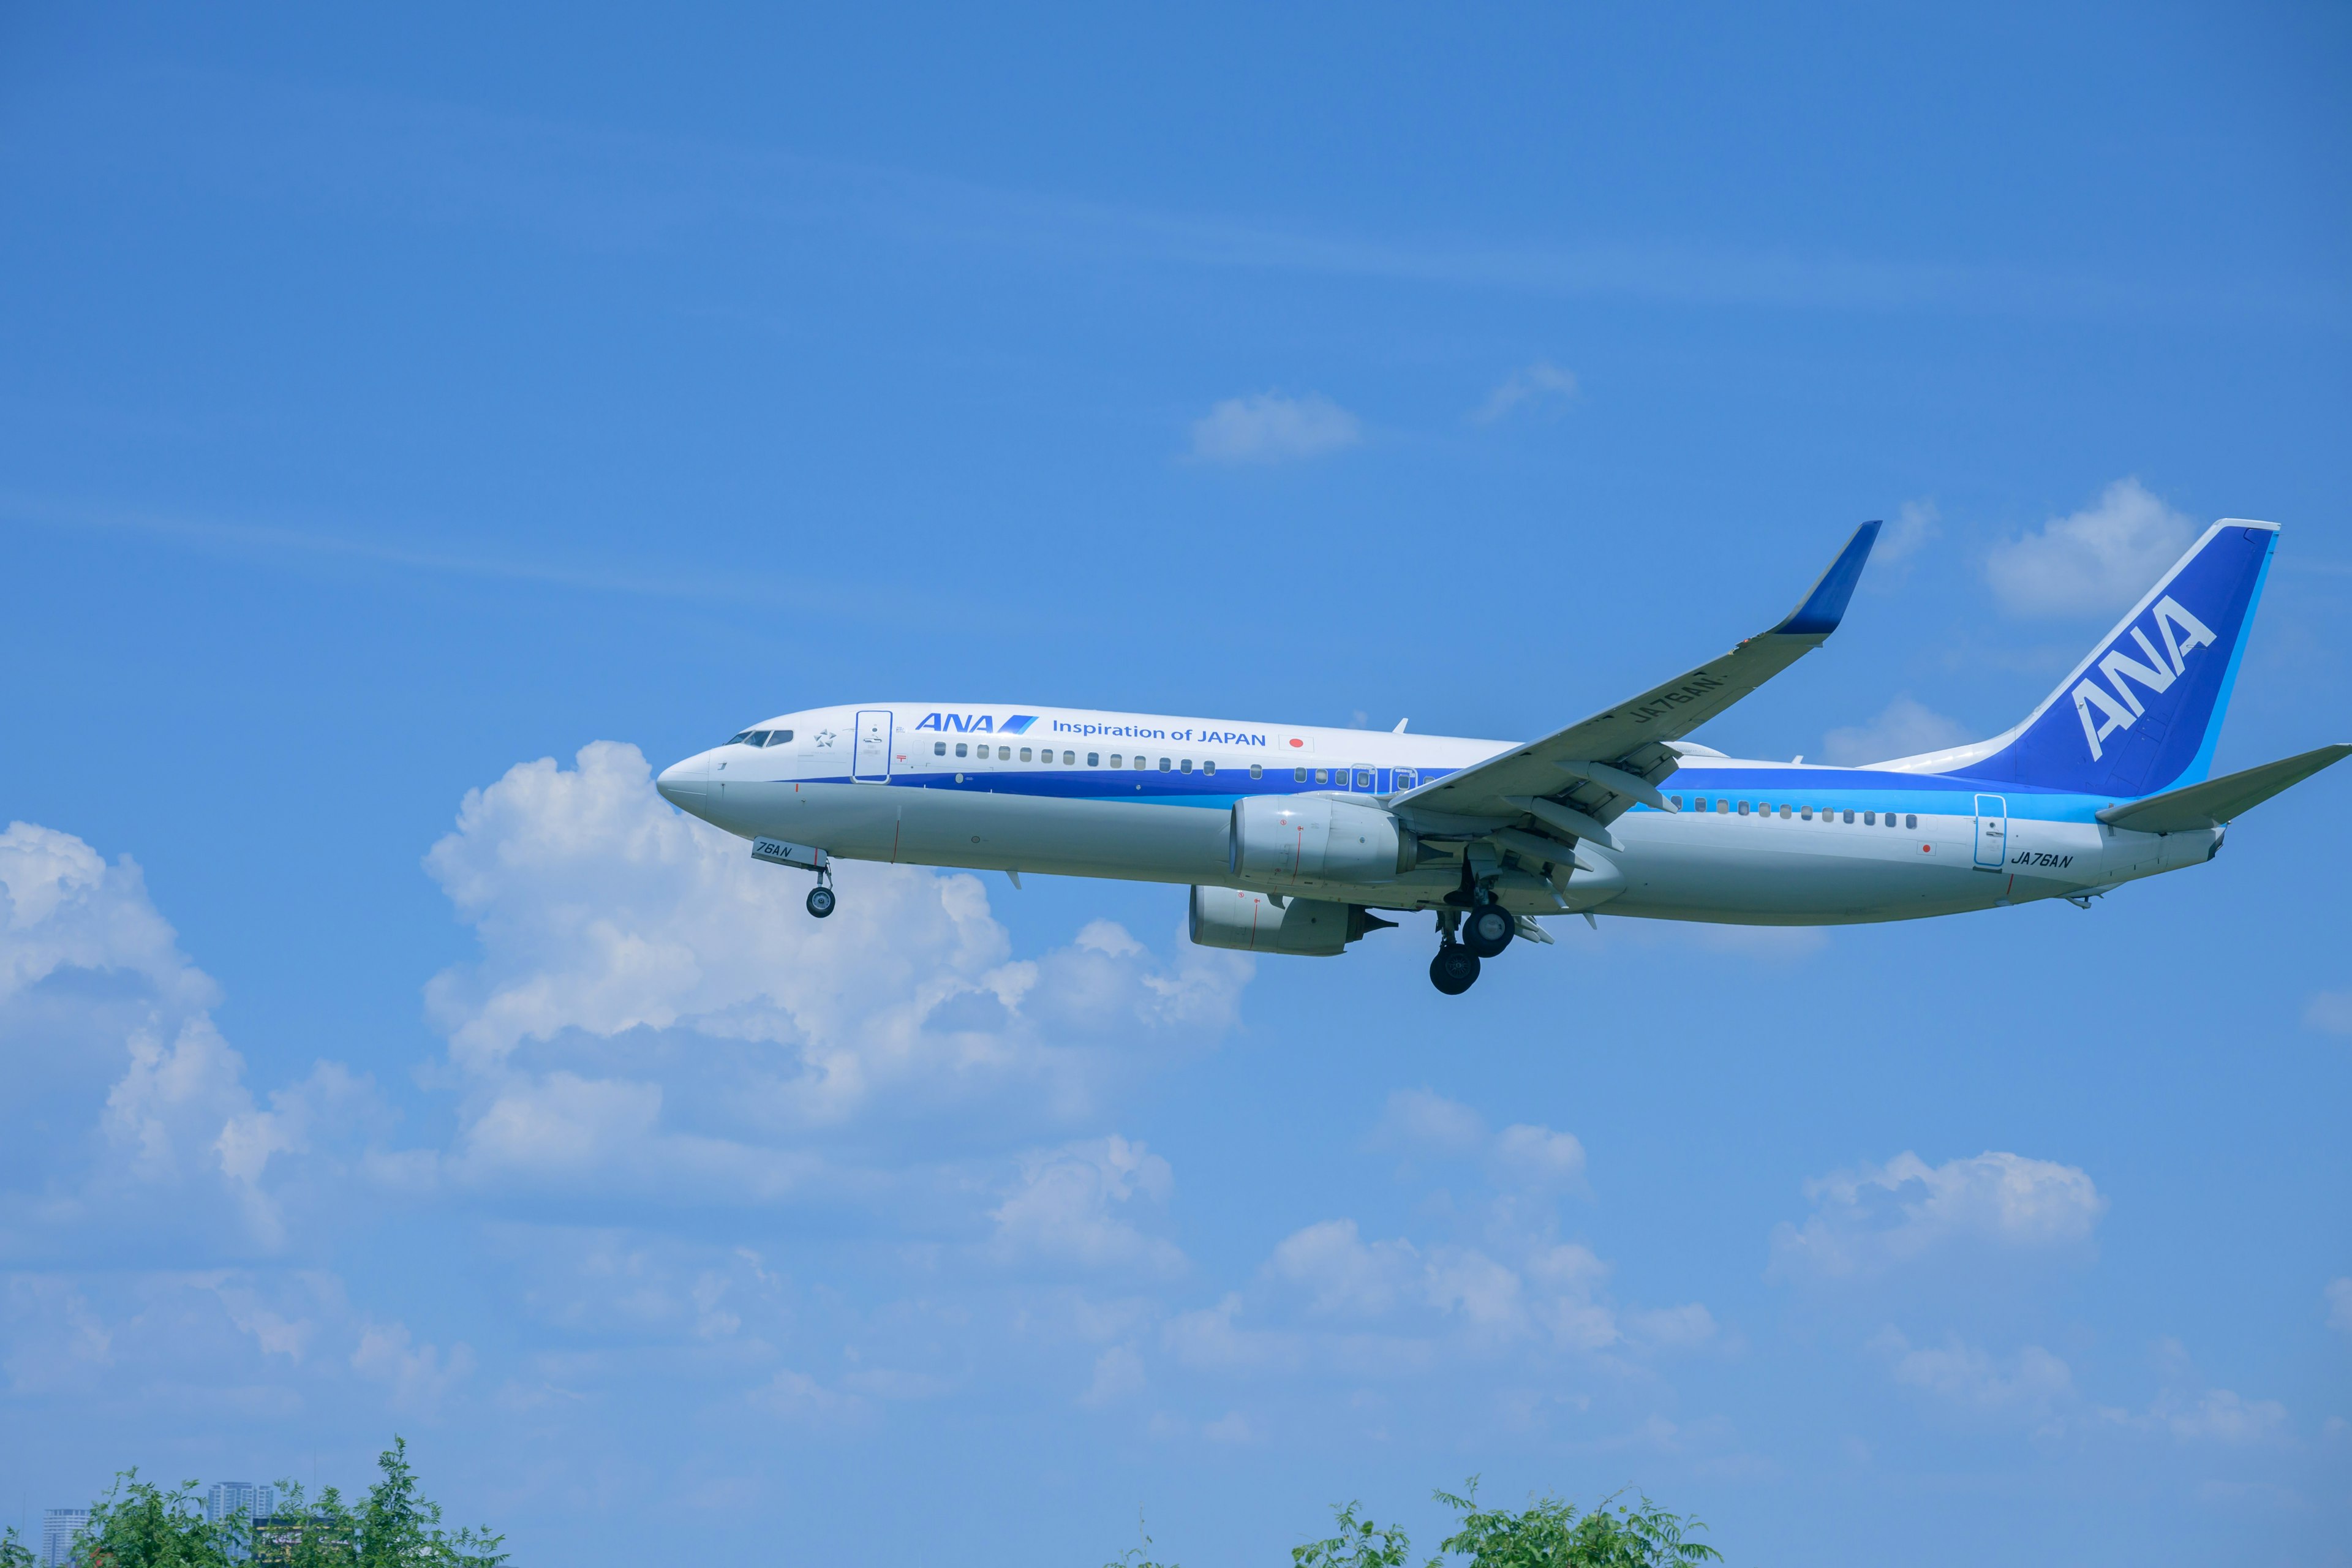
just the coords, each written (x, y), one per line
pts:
(2142, 712)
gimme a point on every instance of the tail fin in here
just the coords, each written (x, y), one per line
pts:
(2142, 712)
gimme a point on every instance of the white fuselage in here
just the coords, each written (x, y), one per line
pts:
(1149, 797)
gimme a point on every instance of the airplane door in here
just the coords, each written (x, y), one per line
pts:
(871, 763)
(1992, 832)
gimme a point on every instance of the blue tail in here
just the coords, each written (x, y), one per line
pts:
(2141, 713)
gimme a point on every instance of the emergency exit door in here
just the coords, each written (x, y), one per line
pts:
(1992, 832)
(871, 763)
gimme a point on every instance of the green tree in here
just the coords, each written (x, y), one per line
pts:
(141, 1525)
(13, 1552)
(1360, 1543)
(399, 1529)
(1550, 1533)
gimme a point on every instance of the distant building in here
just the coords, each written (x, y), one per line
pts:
(227, 1498)
(60, 1528)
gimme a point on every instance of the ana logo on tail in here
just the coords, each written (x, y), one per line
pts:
(2183, 633)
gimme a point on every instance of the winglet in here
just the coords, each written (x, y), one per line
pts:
(1824, 607)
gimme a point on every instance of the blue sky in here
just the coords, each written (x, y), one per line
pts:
(415, 426)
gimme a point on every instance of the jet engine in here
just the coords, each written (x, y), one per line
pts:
(1325, 840)
(1255, 922)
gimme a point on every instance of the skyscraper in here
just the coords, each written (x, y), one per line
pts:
(231, 1496)
(60, 1528)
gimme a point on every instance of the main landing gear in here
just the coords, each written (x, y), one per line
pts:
(1454, 969)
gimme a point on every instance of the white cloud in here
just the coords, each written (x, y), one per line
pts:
(2339, 1305)
(1070, 1207)
(1904, 728)
(2032, 1384)
(653, 1010)
(1422, 1120)
(2329, 1012)
(1531, 1156)
(1118, 1374)
(1881, 1217)
(1341, 1273)
(1267, 428)
(2098, 560)
(2220, 1415)
(1541, 381)
(419, 1376)
(1915, 525)
(1232, 1427)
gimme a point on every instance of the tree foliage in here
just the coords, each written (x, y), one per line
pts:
(140, 1525)
(13, 1552)
(1550, 1533)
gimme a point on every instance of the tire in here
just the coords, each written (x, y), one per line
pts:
(1488, 930)
(1454, 969)
(820, 901)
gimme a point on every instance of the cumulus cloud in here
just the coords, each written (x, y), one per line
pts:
(2096, 561)
(112, 1027)
(1881, 1217)
(1541, 381)
(418, 1375)
(1915, 526)
(1071, 1204)
(1268, 427)
(1118, 1374)
(653, 1010)
(1904, 728)
(1424, 1123)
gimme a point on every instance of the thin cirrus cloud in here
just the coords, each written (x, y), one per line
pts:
(1268, 427)
(2092, 561)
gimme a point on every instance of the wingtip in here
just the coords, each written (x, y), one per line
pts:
(1824, 607)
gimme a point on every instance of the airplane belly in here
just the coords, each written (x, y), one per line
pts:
(985, 830)
(1777, 872)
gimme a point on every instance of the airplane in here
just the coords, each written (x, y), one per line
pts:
(1300, 839)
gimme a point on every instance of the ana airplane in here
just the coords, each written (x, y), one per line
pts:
(1296, 840)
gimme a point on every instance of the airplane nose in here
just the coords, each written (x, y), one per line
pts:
(682, 783)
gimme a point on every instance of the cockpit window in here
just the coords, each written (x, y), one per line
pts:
(778, 737)
(755, 738)
(735, 738)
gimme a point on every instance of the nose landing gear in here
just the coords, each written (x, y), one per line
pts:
(820, 901)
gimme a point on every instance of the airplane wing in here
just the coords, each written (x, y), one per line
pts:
(1579, 780)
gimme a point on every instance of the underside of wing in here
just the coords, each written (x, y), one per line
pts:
(1575, 782)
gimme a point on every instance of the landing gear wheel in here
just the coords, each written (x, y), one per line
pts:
(1488, 930)
(1454, 969)
(820, 901)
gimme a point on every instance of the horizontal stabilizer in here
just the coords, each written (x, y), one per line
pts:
(2220, 800)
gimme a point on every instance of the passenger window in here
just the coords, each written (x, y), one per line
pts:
(1025, 754)
(1164, 764)
(1322, 776)
(1678, 800)
(1140, 763)
(1004, 753)
(1257, 770)
(1187, 767)
(1404, 779)
(1093, 760)
(1363, 778)
(1807, 813)
(1209, 766)
(939, 748)
(1298, 775)
(1849, 816)
(960, 748)
(1743, 808)
(1870, 819)
(1784, 811)
(1117, 761)
(1699, 803)
(1069, 758)
(1910, 821)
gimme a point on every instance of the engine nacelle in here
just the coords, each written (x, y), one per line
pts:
(1328, 840)
(1254, 922)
